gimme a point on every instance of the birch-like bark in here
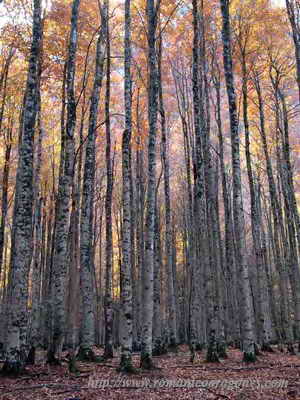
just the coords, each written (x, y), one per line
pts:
(59, 270)
(46, 284)
(73, 290)
(73, 293)
(87, 204)
(147, 274)
(199, 236)
(108, 351)
(35, 332)
(36, 262)
(140, 203)
(172, 325)
(15, 345)
(239, 222)
(127, 259)
(158, 345)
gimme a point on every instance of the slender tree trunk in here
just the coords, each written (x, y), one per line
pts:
(108, 352)
(158, 347)
(239, 222)
(213, 262)
(264, 331)
(147, 274)
(127, 259)
(293, 9)
(63, 206)
(4, 200)
(168, 241)
(140, 202)
(36, 266)
(278, 222)
(291, 209)
(232, 328)
(22, 216)
(8, 146)
(87, 204)
(199, 235)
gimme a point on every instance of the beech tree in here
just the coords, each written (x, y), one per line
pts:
(147, 271)
(239, 222)
(16, 346)
(127, 260)
(88, 195)
(63, 201)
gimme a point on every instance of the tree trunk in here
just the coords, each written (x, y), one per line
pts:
(278, 221)
(293, 9)
(87, 204)
(168, 240)
(147, 274)
(239, 222)
(158, 346)
(263, 328)
(63, 206)
(22, 216)
(127, 259)
(108, 351)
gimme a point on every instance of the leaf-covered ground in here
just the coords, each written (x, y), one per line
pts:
(275, 376)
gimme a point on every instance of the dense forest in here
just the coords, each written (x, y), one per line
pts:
(149, 180)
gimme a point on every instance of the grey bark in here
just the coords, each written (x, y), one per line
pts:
(147, 273)
(22, 216)
(127, 254)
(8, 146)
(238, 213)
(108, 352)
(263, 303)
(172, 324)
(140, 203)
(277, 220)
(87, 204)
(59, 269)
(293, 11)
(199, 234)
(4, 197)
(158, 347)
(232, 328)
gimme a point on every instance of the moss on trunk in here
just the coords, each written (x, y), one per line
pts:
(13, 368)
(72, 365)
(146, 362)
(88, 355)
(212, 355)
(221, 348)
(249, 357)
(126, 366)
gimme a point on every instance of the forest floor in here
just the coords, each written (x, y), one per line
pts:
(275, 376)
